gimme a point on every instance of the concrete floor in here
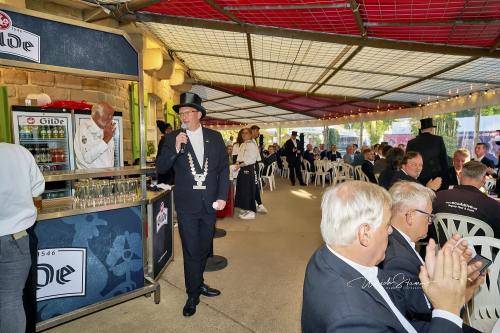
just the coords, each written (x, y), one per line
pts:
(261, 287)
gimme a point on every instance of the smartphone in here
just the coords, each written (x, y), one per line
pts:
(485, 261)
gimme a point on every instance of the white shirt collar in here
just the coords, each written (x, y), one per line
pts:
(197, 131)
(480, 158)
(93, 126)
(368, 272)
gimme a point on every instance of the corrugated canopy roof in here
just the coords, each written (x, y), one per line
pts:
(275, 60)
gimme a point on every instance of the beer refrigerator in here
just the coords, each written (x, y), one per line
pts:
(48, 135)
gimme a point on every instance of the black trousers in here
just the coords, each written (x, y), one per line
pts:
(295, 171)
(197, 232)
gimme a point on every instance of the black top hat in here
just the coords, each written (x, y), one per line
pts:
(294, 133)
(426, 123)
(192, 100)
(162, 126)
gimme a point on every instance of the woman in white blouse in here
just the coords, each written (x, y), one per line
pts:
(248, 156)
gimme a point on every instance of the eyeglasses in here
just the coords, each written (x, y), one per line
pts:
(430, 217)
(181, 114)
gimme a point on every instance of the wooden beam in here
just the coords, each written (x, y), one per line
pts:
(357, 17)
(430, 76)
(216, 85)
(345, 62)
(224, 12)
(249, 44)
(329, 68)
(318, 36)
(431, 23)
(286, 7)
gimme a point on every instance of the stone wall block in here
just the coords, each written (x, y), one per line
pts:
(42, 78)
(57, 93)
(68, 81)
(15, 76)
(24, 91)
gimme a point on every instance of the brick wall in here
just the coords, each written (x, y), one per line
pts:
(21, 82)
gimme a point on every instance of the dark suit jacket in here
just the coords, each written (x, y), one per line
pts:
(400, 175)
(187, 199)
(451, 177)
(291, 156)
(335, 300)
(402, 264)
(379, 165)
(333, 156)
(486, 161)
(433, 152)
(367, 168)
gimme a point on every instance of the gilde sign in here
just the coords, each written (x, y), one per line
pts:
(17, 41)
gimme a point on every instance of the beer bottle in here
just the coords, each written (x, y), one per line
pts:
(43, 132)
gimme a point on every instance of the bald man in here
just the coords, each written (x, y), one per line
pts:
(94, 146)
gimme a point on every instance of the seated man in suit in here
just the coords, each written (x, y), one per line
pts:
(333, 154)
(481, 150)
(381, 163)
(460, 157)
(309, 156)
(367, 166)
(466, 198)
(269, 159)
(411, 168)
(349, 155)
(342, 288)
(410, 220)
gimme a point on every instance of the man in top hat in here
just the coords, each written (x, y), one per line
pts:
(198, 157)
(293, 158)
(433, 152)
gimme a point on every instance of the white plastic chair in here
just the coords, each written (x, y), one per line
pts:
(269, 175)
(305, 172)
(261, 168)
(321, 172)
(344, 172)
(467, 226)
(285, 173)
(484, 310)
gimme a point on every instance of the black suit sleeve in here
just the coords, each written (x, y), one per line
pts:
(443, 158)
(223, 171)
(367, 168)
(166, 159)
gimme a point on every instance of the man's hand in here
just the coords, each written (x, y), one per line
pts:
(446, 287)
(434, 184)
(179, 139)
(108, 132)
(460, 246)
(220, 204)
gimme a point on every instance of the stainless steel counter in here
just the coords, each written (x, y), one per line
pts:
(52, 176)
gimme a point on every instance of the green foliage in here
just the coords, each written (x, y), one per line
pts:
(332, 136)
(150, 148)
(376, 129)
(490, 110)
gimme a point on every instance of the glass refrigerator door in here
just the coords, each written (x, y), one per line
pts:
(48, 136)
(117, 137)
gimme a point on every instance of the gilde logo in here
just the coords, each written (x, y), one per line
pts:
(30, 120)
(5, 22)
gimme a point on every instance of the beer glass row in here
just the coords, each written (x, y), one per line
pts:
(101, 192)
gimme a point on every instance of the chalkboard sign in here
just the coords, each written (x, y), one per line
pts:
(64, 45)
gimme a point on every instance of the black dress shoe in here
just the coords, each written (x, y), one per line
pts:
(209, 292)
(190, 307)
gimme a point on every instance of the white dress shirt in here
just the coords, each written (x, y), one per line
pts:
(370, 274)
(21, 181)
(90, 149)
(248, 153)
(196, 139)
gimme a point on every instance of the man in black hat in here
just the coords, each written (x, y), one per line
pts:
(198, 156)
(293, 158)
(433, 152)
